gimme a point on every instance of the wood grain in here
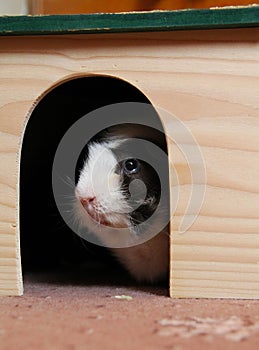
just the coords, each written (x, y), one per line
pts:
(207, 79)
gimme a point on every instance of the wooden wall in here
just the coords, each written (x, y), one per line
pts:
(92, 6)
(208, 79)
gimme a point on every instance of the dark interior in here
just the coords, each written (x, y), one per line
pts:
(46, 242)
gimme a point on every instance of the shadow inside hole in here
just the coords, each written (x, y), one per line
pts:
(47, 244)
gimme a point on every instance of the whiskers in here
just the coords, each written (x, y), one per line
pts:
(66, 198)
(68, 181)
(67, 205)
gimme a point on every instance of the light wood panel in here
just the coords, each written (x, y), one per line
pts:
(209, 80)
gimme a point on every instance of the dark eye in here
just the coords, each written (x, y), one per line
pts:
(131, 166)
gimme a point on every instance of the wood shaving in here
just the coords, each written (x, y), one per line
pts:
(233, 329)
(123, 297)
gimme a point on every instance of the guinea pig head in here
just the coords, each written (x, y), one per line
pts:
(98, 191)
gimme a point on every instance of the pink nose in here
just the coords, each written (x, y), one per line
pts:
(86, 201)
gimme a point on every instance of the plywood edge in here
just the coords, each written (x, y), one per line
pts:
(152, 21)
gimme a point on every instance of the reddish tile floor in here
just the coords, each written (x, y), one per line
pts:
(60, 312)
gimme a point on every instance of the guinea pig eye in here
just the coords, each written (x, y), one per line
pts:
(131, 166)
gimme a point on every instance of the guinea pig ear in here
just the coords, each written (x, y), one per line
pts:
(118, 131)
(100, 137)
(128, 130)
(144, 132)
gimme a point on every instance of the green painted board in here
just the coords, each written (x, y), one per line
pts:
(230, 17)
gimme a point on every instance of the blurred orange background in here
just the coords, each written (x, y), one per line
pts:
(93, 6)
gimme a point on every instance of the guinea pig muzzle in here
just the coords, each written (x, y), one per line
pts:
(91, 206)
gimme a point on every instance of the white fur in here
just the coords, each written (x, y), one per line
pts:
(98, 179)
(147, 261)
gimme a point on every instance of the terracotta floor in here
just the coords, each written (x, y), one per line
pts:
(68, 311)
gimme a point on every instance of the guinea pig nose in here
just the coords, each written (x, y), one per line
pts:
(86, 201)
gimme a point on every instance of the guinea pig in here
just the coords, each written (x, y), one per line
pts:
(104, 199)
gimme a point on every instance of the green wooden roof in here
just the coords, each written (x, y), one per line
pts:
(229, 17)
